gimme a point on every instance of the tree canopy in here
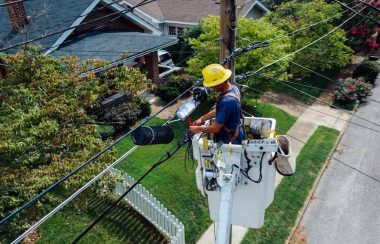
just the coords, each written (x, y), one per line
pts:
(206, 46)
(45, 129)
(331, 52)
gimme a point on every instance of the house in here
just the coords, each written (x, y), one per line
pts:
(85, 28)
(173, 17)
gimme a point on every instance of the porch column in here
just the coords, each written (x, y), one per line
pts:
(151, 61)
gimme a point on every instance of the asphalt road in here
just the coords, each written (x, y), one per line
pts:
(346, 204)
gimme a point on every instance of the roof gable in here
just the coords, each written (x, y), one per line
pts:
(47, 17)
(186, 10)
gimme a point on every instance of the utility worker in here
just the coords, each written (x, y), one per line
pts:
(228, 108)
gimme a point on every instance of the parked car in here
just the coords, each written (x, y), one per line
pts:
(164, 58)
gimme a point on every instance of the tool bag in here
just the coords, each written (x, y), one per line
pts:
(285, 160)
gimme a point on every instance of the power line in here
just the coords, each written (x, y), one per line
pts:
(71, 20)
(302, 48)
(248, 74)
(320, 75)
(321, 112)
(11, 3)
(353, 10)
(144, 2)
(309, 26)
(93, 158)
(326, 154)
(163, 159)
(320, 100)
(51, 187)
(370, 5)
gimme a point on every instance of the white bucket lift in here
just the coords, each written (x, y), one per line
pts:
(239, 180)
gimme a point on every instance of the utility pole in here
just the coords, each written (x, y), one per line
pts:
(228, 24)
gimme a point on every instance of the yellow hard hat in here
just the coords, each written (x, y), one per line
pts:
(215, 74)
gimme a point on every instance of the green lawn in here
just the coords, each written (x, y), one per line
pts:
(171, 184)
(313, 80)
(122, 225)
(292, 192)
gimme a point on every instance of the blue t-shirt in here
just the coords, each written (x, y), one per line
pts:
(228, 114)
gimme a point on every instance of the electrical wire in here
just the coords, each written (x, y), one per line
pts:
(75, 194)
(311, 25)
(353, 10)
(326, 154)
(321, 112)
(251, 73)
(246, 172)
(163, 159)
(47, 29)
(320, 100)
(369, 5)
(89, 161)
(14, 2)
(54, 185)
(144, 2)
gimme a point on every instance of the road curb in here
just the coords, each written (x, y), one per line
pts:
(316, 182)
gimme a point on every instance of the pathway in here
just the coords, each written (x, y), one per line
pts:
(345, 205)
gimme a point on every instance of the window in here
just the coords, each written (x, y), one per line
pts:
(180, 31)
(172, 31)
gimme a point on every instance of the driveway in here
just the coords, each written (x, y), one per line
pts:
(346, 205)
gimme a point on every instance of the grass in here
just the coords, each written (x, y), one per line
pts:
(171, 184)
(122, 225)
(313, 80)
(292, 192)
(261, 109)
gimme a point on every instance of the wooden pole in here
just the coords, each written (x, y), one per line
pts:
(227, 32)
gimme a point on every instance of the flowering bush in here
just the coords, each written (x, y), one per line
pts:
(350, 91)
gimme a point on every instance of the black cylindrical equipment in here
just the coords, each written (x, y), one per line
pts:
(149, 135)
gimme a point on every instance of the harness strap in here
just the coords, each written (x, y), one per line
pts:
(236, 132)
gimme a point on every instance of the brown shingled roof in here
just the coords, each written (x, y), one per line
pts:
(180, 10)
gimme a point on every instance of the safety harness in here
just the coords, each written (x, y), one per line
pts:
(236, 132)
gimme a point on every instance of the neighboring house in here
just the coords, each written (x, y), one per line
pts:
(95, 29)
(173, 17)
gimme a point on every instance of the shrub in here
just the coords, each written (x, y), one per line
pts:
(143, 107)
(105, 131)
(123, 112)
(368, 70)
(350, 91)
(176, 85)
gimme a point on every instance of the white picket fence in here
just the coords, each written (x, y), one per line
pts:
(149, 207)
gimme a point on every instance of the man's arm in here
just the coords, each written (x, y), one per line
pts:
(213, 128)
(205, 117)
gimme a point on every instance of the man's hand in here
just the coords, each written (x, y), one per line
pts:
(198, 122)
(195, 129)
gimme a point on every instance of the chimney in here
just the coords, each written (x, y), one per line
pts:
(17, 14)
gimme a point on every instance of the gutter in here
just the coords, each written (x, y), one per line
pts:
(130, 58)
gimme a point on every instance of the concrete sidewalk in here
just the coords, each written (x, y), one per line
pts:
(303, 129)
(345, 205)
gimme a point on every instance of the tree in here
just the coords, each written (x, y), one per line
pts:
(45, 130)
(331, 52)
(206, 46)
